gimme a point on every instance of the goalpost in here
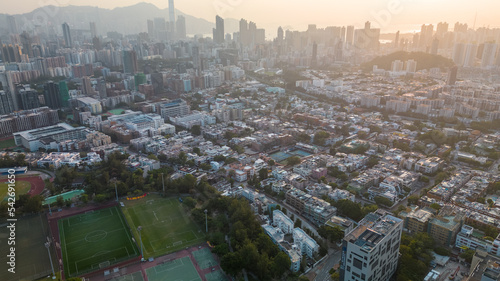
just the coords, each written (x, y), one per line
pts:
(104, 264)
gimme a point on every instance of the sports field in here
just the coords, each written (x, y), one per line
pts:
(94, 240)
(177, 270)
(136, 276)
(7, 143)
(22, 187)
(166, 227)
(117, 111)
(204, 258)
(32, 258)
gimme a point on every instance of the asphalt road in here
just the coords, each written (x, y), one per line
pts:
(333, 259)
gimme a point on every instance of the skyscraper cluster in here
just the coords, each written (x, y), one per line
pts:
(249, 34)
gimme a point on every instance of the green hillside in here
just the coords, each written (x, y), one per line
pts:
(424, 61)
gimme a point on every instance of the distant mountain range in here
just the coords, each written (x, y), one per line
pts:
(125, 20)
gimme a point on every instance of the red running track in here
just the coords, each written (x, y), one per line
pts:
(37, 184)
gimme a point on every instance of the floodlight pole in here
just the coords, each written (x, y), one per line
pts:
(163, 183)
(206, 220)
(116, 192)
(47, 245)
(140, 238)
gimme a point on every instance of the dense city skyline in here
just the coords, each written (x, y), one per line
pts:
(393, 15)
(234, 140)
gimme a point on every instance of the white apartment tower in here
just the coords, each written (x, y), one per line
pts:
(370, 251)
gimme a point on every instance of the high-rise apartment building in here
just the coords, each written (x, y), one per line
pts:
(171, 18)
(67, 35)
(489, 52)
(452, 76)
(280, 34)
(181, 27)
(151, 29)
(6, 103)
(441, 29)
(349, 35)
(27, 98)
(129, 61)
(86, 86)
(218, 31)
(458, 55)
(470, 55)
(12, 25)
(244, 35)
(64, 92)
(371, 250)
(367, 38)
(52, 96)
(93, 29)
(426, 33)
(157, 82)
(27, 120)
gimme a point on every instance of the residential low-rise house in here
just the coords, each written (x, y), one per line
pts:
(283, 222)
(444, 229)
(429, 165)
(340, 194)
(305, 243)
(316, 210)
(346, 225)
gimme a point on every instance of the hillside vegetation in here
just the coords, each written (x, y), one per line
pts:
(424, 61)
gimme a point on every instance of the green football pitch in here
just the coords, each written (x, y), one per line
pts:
(177, 270)
(32, 259)
(166, 227)
(94, 240)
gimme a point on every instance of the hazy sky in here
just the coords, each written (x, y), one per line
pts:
(405, 14)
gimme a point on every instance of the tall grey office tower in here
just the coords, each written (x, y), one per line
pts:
(171, 17)
(12, 25)
(181, 27)
(67, 35)
(218, 31)
(151, 29)
(93, 30)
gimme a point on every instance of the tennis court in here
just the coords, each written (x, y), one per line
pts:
(136, 276)
(177, 270)
(65, 196)
(300, 153)
(204, 258)
(280, 156)
(95, 240)
(216, 276)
